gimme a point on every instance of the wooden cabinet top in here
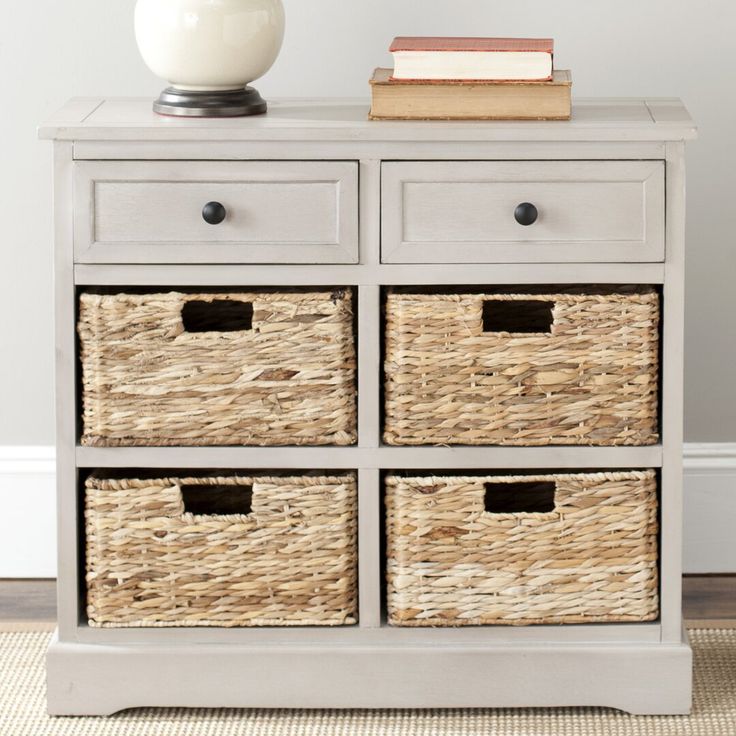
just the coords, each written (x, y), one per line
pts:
(599, 119)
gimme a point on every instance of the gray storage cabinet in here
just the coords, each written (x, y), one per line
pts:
(315, 195)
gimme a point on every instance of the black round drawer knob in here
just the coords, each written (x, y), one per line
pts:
(214, 213)
(526, 213)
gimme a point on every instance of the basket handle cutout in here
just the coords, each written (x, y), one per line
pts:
(524, 497)
(219, 315)
(518, 315)
(217, 500)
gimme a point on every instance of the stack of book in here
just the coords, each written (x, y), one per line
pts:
(471, 79)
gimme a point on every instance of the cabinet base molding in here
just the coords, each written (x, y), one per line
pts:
(642, 679)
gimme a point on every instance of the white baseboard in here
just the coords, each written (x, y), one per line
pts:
(710, 507)
(28, 510)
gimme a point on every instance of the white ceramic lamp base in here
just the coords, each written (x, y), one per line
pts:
(210, 51)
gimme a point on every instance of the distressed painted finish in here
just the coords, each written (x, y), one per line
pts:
(463, 212)
(598, 119)
(277, 212)
(640, 240)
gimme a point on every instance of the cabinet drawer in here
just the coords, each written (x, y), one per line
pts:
(464, 212)
(275, 212)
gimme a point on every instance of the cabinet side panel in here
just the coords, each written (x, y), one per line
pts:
(68, 595)
(672, 398)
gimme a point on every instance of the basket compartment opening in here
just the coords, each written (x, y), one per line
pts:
(522, 315)
(218, 315)
(531, 497)
(217, 500)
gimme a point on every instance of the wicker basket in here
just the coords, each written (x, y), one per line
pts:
(184, 552)
(246, 368)
(460, 552)
(522, 369)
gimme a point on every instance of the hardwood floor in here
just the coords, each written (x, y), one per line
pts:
(27, 600)
(705, 598)
(709, 597)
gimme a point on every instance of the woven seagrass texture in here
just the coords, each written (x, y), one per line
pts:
(291, 561)
(592, 559)
(290, 380)
(592, 379)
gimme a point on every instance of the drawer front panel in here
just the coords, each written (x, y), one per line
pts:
(464, 212)
(276, 212)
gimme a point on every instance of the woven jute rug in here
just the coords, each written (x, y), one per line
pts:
(23, 708)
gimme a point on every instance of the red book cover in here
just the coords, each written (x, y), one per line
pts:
(447, 43)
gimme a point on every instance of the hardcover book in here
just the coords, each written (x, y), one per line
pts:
(453, 100)
(497, 59)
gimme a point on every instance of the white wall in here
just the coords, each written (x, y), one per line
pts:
(51, 50)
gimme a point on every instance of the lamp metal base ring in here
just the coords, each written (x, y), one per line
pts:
(210, 104)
